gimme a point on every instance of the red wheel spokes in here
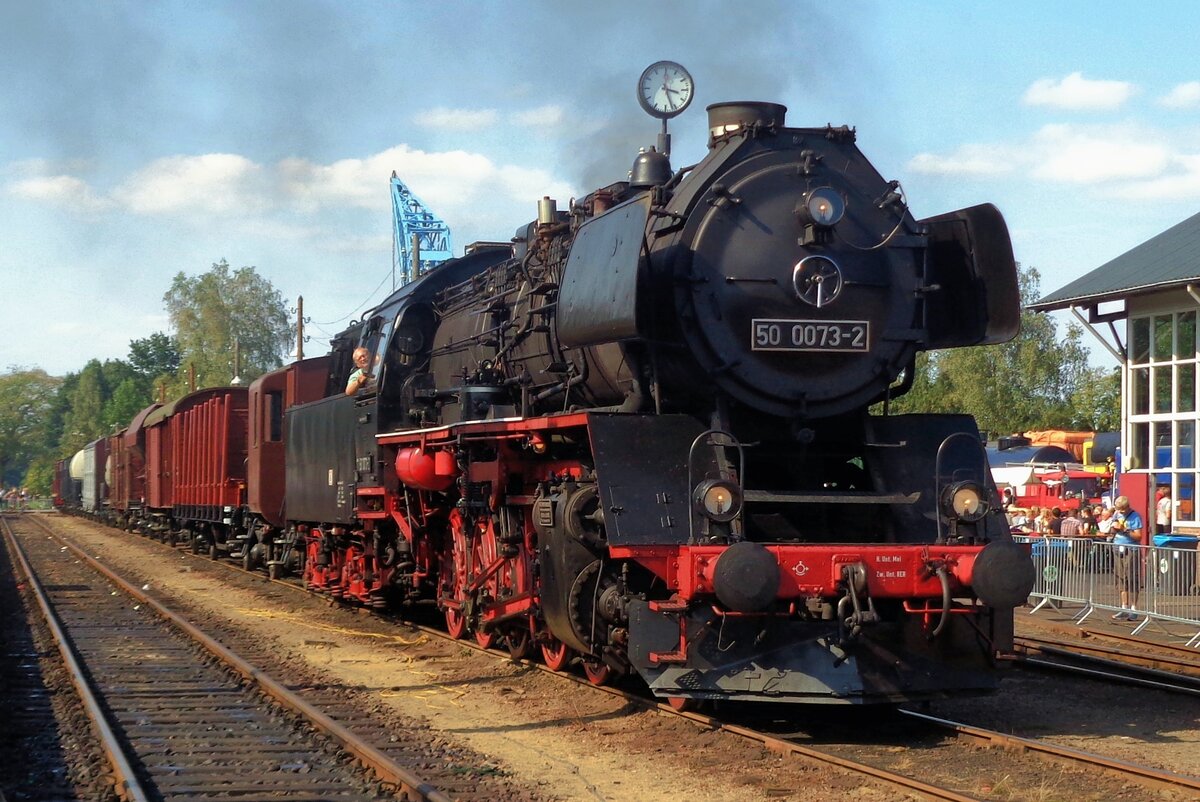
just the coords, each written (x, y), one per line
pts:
(518, 641)
(597, 671)
(454, 578)
(482, 558)
(556, 654)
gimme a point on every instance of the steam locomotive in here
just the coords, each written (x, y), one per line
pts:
(651, 434)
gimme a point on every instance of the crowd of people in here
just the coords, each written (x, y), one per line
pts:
(1119, 524)
(14, 499)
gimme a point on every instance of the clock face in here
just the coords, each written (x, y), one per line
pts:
(665, 89)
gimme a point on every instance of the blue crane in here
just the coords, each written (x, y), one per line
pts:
(413, 220)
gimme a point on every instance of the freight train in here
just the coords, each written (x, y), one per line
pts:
(650, 435)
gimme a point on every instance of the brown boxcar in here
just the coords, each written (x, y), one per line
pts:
(127, 457)
(196, 467)
(266, 539)
(159, 484)
(270, 395)
(208, 454)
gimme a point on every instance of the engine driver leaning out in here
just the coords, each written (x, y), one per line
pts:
(360, 378)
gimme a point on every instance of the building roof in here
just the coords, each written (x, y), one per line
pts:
(1171, 258)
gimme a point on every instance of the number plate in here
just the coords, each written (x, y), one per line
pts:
(809, 335)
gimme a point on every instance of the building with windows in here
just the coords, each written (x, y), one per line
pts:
(1142, 306)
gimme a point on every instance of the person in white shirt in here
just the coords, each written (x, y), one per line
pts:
(1162, 513)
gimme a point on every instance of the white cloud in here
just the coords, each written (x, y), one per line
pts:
(364, 183)
(1181, 182)
(380, 246)
(457, 119)
(969, 160)
(1182, 96)
(541, 117)
(1088, 155)
(449, 182)
(38, 167)
(1078, 93)
(294, 199)
(215, 183)
(60, 190)
(1060, 153)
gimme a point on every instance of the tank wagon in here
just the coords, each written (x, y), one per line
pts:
(93, 489)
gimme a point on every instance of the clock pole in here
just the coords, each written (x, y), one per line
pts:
(664, 140)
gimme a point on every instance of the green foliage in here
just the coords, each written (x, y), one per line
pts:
(130, 398)
(26, 400)
(1036, 381)
(43, 418)
(210, 311)
(39, 477)
(1096, 405)
(155, 356)
(85, 417)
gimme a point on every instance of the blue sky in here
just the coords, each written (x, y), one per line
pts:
(138, 140)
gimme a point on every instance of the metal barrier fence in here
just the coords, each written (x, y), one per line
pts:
(38, 503)
(1160, 581)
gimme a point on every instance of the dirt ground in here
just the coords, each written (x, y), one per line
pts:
(1140, 725)
(585, 746)
(566, 744)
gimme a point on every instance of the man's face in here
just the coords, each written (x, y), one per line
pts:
(360, 359)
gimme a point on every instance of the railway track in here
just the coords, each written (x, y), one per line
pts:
(40, 703)
(181, 716)
(1088, 761)
(877, 760)
(1132, 660)
(909, 784)
(1008, 756)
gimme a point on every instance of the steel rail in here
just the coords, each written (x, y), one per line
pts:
(1162, 662)
(783, 746)
(127, 785)
(779, 745)
(1129, 677)
(1110, 670)
(1124, 769)
(384, 767)
(774, 743)
(1120, 637)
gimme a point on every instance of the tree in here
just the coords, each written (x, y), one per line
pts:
(56, 417)
(130, 398)
(85, 417)
(209, 311)
(39, 476)
(155, 356)
(97, 401)
(26, 399)
(1096, 404)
